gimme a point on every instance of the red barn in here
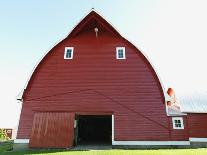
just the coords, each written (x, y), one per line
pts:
(96, 87)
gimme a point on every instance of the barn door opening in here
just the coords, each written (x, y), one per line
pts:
(94, 129)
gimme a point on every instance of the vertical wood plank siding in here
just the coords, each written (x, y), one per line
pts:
(95, 81)
(52, 130)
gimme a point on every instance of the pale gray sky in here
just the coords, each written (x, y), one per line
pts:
(172, 33)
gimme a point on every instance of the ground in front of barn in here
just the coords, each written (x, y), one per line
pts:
(201, 151)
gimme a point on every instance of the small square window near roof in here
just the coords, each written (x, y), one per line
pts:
(177, 123)
(68, 53)
(120, 53)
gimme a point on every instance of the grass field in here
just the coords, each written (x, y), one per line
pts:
(8, 146)
(5, 146)
(114, 152)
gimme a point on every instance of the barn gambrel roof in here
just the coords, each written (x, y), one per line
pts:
(96, 17)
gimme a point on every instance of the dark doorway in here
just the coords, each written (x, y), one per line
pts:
(93, 129)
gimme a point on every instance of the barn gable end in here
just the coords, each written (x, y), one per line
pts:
(91, 21)
(95, 83)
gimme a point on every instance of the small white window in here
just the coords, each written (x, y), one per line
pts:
(177, 123)
(120, 53)
(68, 53)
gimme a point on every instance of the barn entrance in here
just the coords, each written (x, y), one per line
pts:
(93, 130)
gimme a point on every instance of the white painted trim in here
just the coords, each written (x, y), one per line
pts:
(117, 52)
(17, 127)
(193, 112)
(21, 141)
(192, 139)
(151, 143)
(112, 132)
(174, 115)
(159, 78)
(181, 120)
(66, 50)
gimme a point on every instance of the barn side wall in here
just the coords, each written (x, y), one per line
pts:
(197, 125)
(179, 134)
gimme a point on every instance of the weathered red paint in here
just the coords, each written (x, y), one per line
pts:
(197, 125)
(52, 130)
(94, 81)
(179, 135)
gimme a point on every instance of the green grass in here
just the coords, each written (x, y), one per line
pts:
(113, 152)
(7, 145)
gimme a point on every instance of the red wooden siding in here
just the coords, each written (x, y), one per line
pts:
(179, 134)
(52, 130)
(197, 125)
(25, 123)
(95, 81)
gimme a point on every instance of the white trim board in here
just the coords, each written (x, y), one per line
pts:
(181, 123)
(150, 143)
(192, 139)
(66, 50)
(21, 141)
(117, 52)
(112, 127)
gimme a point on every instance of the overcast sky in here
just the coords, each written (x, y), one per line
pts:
(172, 33)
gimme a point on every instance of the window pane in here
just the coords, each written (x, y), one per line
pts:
(68, 54)
(120, 54)
(120, 50)
(178, 123)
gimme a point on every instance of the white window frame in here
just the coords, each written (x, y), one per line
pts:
(66, 49)
(181, 121)
(117, 52)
